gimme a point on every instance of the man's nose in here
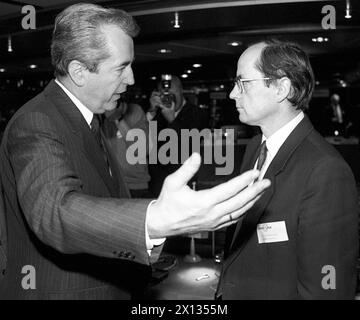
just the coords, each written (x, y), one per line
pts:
(129, 79)
(235, 93)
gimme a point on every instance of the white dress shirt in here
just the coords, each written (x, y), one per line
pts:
(276, 140)
(88, 115)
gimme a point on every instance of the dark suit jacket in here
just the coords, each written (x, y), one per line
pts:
(190, 117)
(66, 216)
(313, 191)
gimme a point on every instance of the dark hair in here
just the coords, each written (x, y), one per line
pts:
(284, 59)
(77, 35)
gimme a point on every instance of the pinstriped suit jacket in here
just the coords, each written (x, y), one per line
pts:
(65, 215)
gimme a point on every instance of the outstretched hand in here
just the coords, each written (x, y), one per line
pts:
(180, 210)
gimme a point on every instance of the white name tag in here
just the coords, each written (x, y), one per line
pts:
(272, 232)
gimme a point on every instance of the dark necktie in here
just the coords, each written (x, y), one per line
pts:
(262, 157)
(95, 129)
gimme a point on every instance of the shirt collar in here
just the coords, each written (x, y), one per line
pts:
(276, 140)
(87, 114)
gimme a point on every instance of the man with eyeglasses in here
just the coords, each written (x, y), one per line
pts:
(300, 240)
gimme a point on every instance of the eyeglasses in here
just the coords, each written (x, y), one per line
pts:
(240, 82)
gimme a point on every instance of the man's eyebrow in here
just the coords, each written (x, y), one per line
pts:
(125, 63)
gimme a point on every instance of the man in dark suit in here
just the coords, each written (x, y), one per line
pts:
(300, 240)
(174, 113)
(72, 231)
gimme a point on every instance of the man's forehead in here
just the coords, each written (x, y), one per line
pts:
(249, 57)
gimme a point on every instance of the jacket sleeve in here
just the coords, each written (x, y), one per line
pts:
(328, 233)
(57, 210)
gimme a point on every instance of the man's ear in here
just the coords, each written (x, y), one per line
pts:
(283, 89)
(77, 72)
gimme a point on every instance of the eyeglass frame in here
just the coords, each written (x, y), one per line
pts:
(241, 87)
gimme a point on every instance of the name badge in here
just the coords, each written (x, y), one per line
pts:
(272, 232)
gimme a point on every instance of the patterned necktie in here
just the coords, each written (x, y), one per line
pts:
(261, 158)
(95, 129)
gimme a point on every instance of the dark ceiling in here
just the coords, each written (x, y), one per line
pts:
(206, 29)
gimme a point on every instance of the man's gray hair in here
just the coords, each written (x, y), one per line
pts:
(78, 36)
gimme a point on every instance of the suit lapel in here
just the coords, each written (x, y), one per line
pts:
(246, 228)
(82, 135)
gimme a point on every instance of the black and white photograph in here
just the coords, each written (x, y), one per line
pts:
(179, 155)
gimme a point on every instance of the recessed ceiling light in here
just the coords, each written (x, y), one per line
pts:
(184, 76)
(197, 65)
(188, 71)
(33, 66)
(2, 70)
(234, 43)
(320, 39)
(164, 51)
(153, 78)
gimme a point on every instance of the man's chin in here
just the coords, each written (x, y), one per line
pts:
(242, 118)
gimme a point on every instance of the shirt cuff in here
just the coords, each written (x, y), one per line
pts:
(151, 243)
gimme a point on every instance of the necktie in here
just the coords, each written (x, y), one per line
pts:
(95, 129)
(262, 156)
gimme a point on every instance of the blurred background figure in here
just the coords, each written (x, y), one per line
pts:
(170, 110)
(336, 117)
(117, 125)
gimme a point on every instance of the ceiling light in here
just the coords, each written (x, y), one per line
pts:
(2, 70)
(184, 76)
(348, 10)
(320, 39)
(9, 44)
(176, 22)
(164, 51)
(234, 44)
(188, 71)
(197, 65)
(153, 78)
(33, 66)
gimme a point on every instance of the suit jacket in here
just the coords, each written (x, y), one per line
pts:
(65, 215)
(314, 192)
